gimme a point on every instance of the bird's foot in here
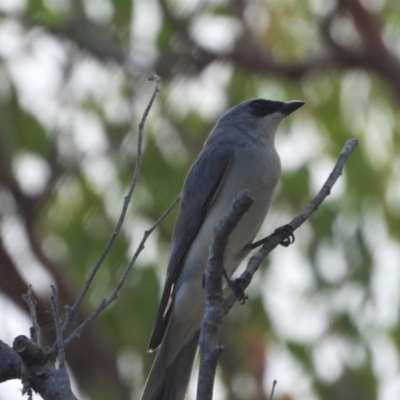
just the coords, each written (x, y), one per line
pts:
(288, 236)
(236, 288)
(234, 285)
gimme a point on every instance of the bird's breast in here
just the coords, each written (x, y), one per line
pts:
(253, 168)
(256, 169)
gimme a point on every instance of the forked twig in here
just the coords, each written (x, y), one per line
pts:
(71, 311)
(106, 301)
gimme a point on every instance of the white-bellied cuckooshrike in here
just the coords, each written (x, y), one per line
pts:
(239, 154)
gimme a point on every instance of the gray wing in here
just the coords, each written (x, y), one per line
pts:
(200, 187)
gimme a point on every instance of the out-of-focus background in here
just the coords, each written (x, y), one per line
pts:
(323, 315)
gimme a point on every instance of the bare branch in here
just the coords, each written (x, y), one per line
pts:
(254, 263)
(105, 302)
(61, 377)
(271, 396)
(10, 363)
(29, 350)
(38, 372)
(58, 322)
(37, 367)
(35, 329)
(213, 314)
(71, 311)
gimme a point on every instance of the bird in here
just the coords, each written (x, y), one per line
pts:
(239, 154)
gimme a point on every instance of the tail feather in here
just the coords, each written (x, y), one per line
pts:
(171, 382)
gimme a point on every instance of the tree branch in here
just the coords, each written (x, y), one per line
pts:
(58, 322)
(37, 366)
(213, 314)
(216, 307)
(105, 302)
(255, 261)
(71, 311)
(35, 329)
(10, 363)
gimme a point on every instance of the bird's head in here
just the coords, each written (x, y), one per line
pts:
(255, 118)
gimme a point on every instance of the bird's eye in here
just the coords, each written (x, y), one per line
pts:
(255, 105)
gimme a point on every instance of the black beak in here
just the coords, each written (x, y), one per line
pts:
(290, 107)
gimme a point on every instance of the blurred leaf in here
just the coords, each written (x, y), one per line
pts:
(302, 354)
(353, 384)
(345, 325)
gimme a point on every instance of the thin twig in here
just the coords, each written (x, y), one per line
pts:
(61, 377)
(274, 239)
(105, 302)
(35, 329)
(58, 322)
(273, 389)
(71, 311)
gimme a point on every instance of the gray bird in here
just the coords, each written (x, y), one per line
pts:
(239, 154)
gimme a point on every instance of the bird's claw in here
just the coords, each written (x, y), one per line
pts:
(287, 235)
(238, 291)
(235, 286)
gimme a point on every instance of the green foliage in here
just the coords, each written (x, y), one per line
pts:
(353, 384)
(25, 132)
(302, 354)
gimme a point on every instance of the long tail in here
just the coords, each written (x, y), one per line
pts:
(171, 382)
